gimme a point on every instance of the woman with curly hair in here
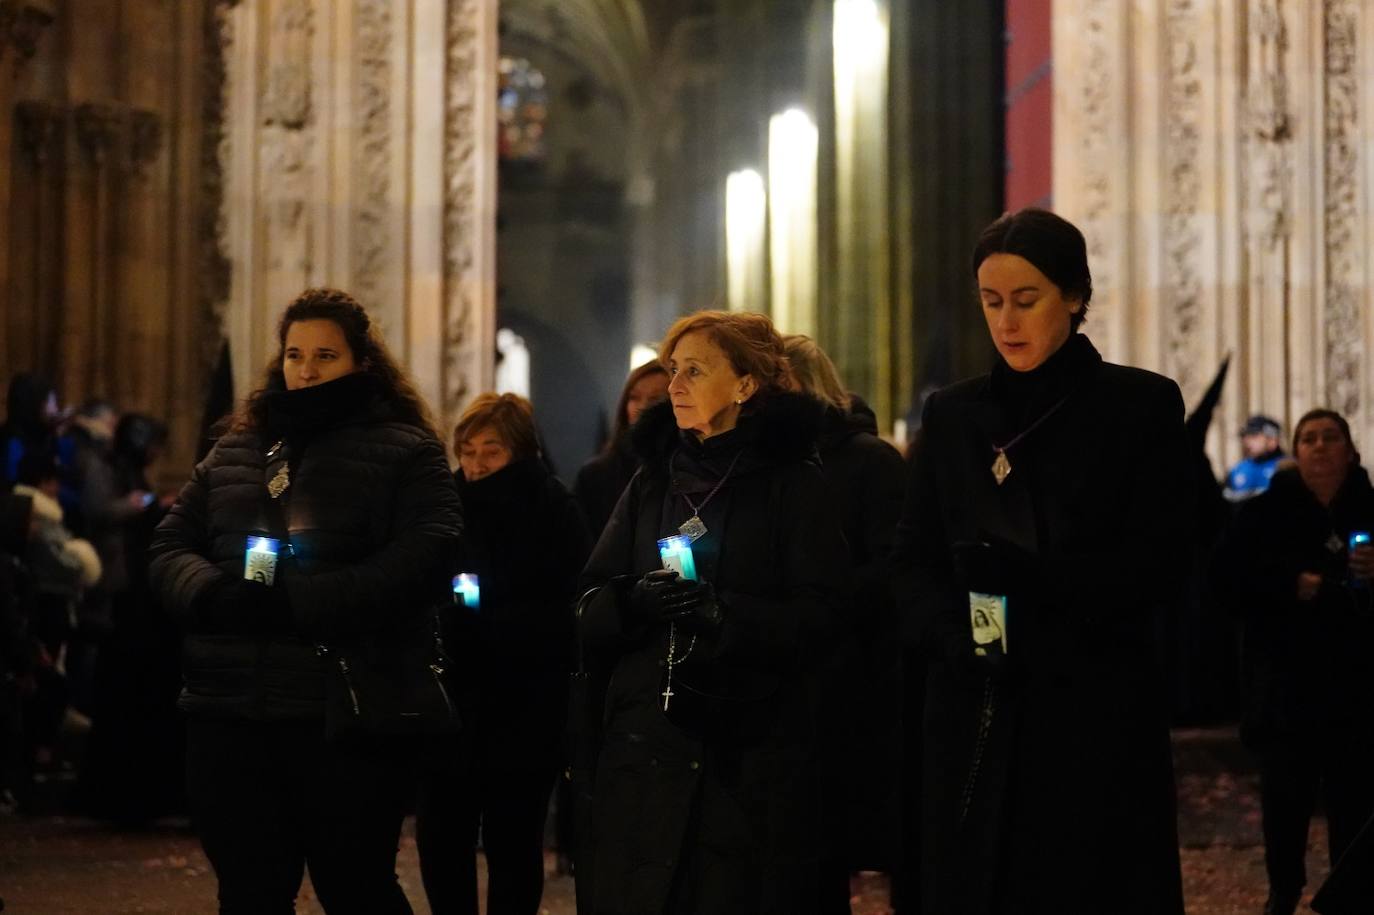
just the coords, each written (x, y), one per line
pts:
(334, 456)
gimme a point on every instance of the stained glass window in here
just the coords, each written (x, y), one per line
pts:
(522, 107)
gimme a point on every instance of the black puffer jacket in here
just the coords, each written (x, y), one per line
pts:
(726, 820)
(373, 520)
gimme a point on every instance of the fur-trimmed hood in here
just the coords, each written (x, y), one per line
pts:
(783, 427)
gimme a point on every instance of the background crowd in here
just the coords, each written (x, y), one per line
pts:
(802, 704)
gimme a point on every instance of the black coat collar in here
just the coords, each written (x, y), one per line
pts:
(782, 427)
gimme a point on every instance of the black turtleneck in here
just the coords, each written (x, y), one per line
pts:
(1026, 396)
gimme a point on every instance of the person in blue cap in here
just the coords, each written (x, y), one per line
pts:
(1259, 438)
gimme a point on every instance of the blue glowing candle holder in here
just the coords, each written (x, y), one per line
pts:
(676, 554)
(260, 560)
(466, 590)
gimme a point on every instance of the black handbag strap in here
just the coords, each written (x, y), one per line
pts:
(577, 628)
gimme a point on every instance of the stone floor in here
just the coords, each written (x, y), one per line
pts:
(57, 865)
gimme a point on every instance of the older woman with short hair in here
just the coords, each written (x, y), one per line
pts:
(526, 541)
(706, 797)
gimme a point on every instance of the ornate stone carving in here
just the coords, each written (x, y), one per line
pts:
(286, 137)
(285, 99)
(213, 275)
(40, 130)
(21, 24)
(1266, 167)
(371, 236)
(460, 199)
(1097, 146)
(100, 129)
(1344, 254)
(1182, 234)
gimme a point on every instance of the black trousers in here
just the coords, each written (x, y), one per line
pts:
(458, 796)
(1291, 773)
(270, 798)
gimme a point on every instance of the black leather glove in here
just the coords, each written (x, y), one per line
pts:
(697, 610)
(993, 565)
(655, 596)
(237, 606)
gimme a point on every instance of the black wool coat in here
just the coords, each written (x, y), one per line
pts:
(866, 478)
(373, 521)
(601, 481)
(1071, 807)
(1305, 663)
(725, 819)
(526, 539)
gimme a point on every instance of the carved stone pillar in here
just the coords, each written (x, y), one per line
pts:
(360, 153)
(42, 134)
(469, 207)
(22, 22)
(1240, 222)
(100, 131)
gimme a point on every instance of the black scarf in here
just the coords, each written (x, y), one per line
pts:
(299, 415)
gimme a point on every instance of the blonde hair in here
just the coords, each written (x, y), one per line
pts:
(508, 415)
(749, 340)
(816, 375)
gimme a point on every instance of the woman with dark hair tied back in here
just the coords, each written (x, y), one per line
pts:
(524, 545)
(1299, 570)
(302, 682)
(712, 601)
(863, 741)
(602, 479)
(1041, 540)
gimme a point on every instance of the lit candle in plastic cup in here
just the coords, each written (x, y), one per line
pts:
(466, 590)
(260, 560)
(676, 554)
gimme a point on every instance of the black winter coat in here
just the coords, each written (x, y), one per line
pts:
(1075, 771)
(373, 521)
(525, 538)
(601, 481)
(866, 477)
(1305, 663)
(726, 820)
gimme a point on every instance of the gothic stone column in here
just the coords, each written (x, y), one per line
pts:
(1239, 223)
(360, 153)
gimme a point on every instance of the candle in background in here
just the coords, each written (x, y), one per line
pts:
(260, 560)
(676, 554)
(466, 590)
